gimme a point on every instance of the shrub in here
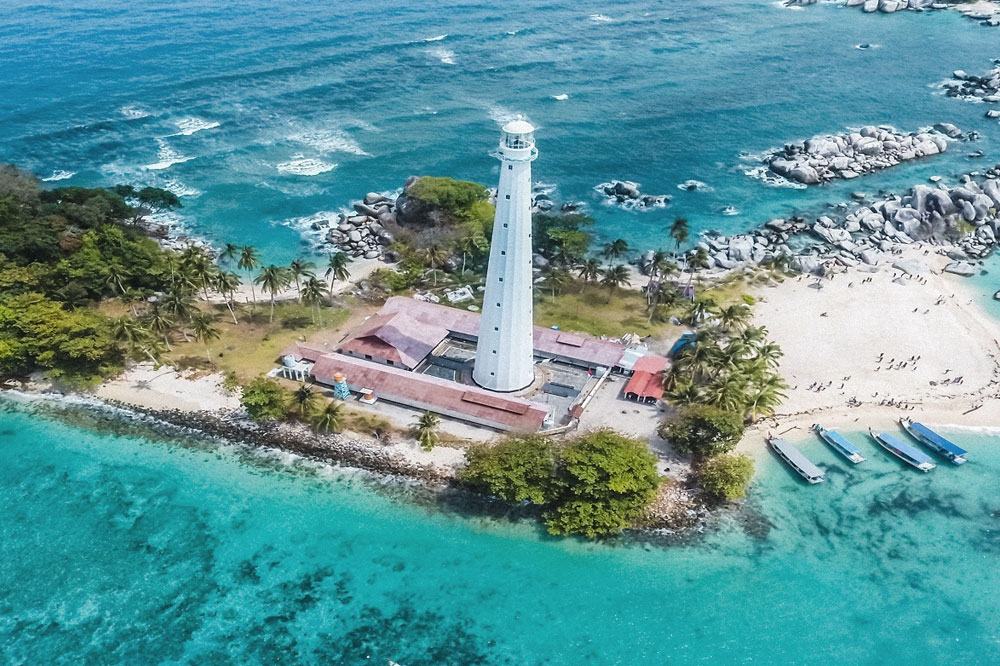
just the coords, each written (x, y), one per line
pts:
(264, 400)
(703, 431)
(518, 469)
(726, 475)
(448, 194)
(605, 482)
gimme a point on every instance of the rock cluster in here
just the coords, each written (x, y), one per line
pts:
(874, 233)
(969, 86)
(825, 158)
(982, 12)
(626, 194)
(364, 234)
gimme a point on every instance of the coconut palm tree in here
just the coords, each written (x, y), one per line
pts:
(226, 283)
(230, 252)
(197, 269)
(272, 279)
(314, 291)
(770, 353)
(765, 395)
(203, 326)
(663, 298)
(336, 268)
(248, 262)
(472, 245)
(116, 276)
(753, 336)
(303, 401)
(299, 268)
(136, 336)
(328, 418)
(556, 279)
(727, 391)
(735, 317)
(589, 271)
(685, 394)
(159, 322)
(426, 429)
(614, 277)
(700, 357)
(434, 255)
(178, 302)
(700, 308)
(616, 249)
(679, 231)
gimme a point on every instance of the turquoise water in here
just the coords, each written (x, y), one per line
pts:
(659, 92)
(119, 549)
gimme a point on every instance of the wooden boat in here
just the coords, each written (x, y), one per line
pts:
(935, 442)
(840, 444)
(908, 454)
(794, 458)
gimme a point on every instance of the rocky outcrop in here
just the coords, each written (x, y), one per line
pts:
(986, 13)
(822, 159)
(626, 194)
(984, 88)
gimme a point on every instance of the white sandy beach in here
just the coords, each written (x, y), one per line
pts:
(927, 332)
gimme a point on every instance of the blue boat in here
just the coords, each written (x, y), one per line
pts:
(840, 444)
(934, 441)
(908, 454)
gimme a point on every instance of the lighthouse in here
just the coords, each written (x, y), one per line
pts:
(505, 350)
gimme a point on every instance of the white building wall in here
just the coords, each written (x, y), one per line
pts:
(504, 356)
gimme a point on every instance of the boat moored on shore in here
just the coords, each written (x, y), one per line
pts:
(796, 460)
(935, 442)
(908, 454)
(840, 444)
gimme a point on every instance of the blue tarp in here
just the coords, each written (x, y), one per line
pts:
(937, 440)
(681, 343)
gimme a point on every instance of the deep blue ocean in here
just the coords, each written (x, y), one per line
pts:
(129, 549)
(263, 113)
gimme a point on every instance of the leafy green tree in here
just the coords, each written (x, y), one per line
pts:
(517, 469)
(327, 419)
(447, 193)
(426, 430)
(264, 400)
(703, 431)
(726, 476)
(606, 481)
(561, 237)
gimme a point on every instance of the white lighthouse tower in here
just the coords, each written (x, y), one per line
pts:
(505, 351)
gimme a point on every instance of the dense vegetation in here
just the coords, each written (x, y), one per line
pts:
(726, 476)
(596, 486)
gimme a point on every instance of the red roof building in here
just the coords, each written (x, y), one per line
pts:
(394, 339)
(645, 386)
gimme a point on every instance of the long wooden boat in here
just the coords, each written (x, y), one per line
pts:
(909, 454)
(794, 458)
(935, 442)
(840, 444)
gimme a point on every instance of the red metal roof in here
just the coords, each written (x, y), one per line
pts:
(432, 393)
(645, 381)
(651, 364)
(395, 336)
(588, 350)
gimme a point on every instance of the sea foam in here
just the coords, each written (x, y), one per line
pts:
(300, 165)
(438, 38)
(167, 156)
(190, 125)
(334, 141)
(132, 111)
(59, 174)
(444, 55)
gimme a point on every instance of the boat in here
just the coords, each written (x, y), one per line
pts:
(840, 444)
(935, 442)
(996, 295)
(798, 462)
(908, 454)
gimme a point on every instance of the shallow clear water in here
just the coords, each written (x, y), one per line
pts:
(659, 92)
(119, 549)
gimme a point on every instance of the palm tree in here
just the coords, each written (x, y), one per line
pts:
(300, 268)
(753, 336)
(160, 323)
(735, 317)
(435, 256)
(770, 353)
(556, 278)
(336, 268)
(202, 324)
(765, 396)
(248, 262)
(272, 279)
(136, 336)
(116, 275)
(197, 268)
(226, 283)
(589, 271)
(230, 252)
(313, 293)
(614, 277)
(700, 357)
(679, 231)
(664, 297)
(328, 418)
(616, 249)
(727, 391)
(685, 394)
(179, 303)
(427, 430)
(700, 308)
(304, 401)
(472, 245)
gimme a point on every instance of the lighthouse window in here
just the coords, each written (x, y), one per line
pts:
(498, 305)
(501, 279)
(504, 225)
(494, 351)
(503, 253)
(508, 196)
(510, 167)
(496, 328)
